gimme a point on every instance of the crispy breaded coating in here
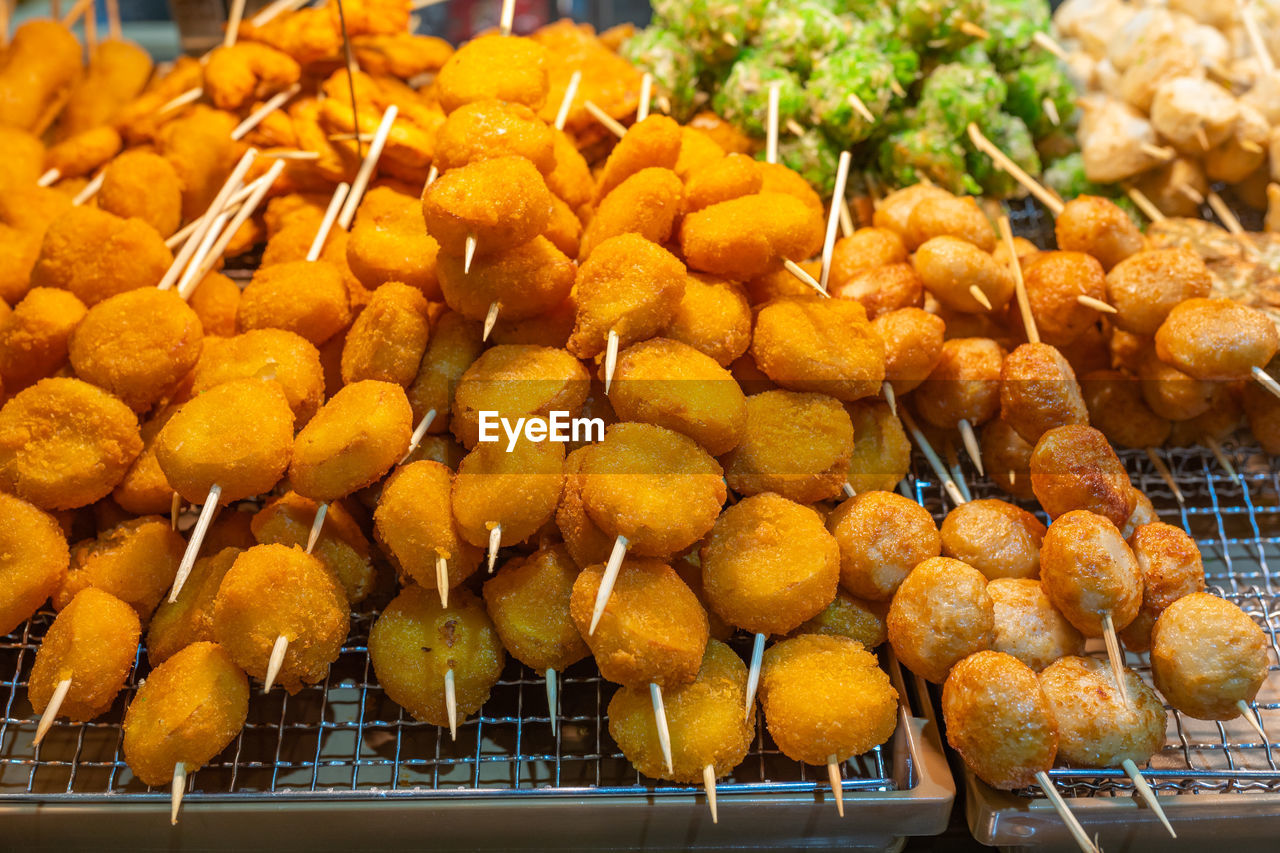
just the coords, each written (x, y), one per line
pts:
(1027, 624)
(528, 601)
(388, 242)
(143, 489)
(414, 526)
(750, 236)
(400, 54)
(850, 617)
(526, 280)
(135, 561)
(518, 490)
(34, 336)
(881, 450)
(37, 72)
(713, 317)
(33, 560)
(23, 162)
(216, 300)
(143, 185)
(83, 153)
(654, 142)
(308, 298)
(455, 343)
(647, 203)
(352, 441)
(92, 643)
(198, 145)
(571, 179)
(913, 343)
(797, 445)
(117, 73)
(177, 624)
(777, 178)
(388, 339)
(516, 382)
(564, 229)
(811, 343)
(499, 202)
(1074, 467)
(341, 547)
(245, 72)
(629, 286)
(494, 66)
(96, 255)
(724, 180)
(486, 130)
(964, 384)
(882, 537)
(290, 360)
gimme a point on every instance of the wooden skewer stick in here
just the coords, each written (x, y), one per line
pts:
(90, 189)
(607, 580)
(553, 706)
(1162, 153)
(278, 651)
(604, 118)
(1148, 795)
(188, 97)
(1045, 41)
(980, 297)
(418, 433)
(198, 532)
(793, 127)
(1060, 805)
(663, 103)
(709, 784)
(890, 396)
(274, 10)
(76, 11)
(367, 168)
(860, 107)
(753, 675)
(203, 253)
(256, 117)
(837, 784)
(1002, 160)
(1266, 381)
(660, 717)
(566, 103)
(469, 253)
(1096, 304)
(432, 174)
(846, 219)
(1162, 469)
(1051, 111)
(451, 704)
(49, 178)
(1256, 41)
(175, 509)
(340, 195)
(971, 446)
(799, 272)
(1148, 207)
(896, 87)
(948, 484)
(833, 217)
(771, 122)
(316, 525)
(1019, 284)
(1216, 448)
(233, 23)
(495, 542)
(1250, 146)
(51, 710)
(207, 220)
(646, 95)
(176, 790)
(972, 30)
(953, 465)
(182, 236)
(490, 320)
(258, 191)
(610, 359)
(848, 490)
(1115, 656)
(442, 579)
(1251, 719)
(508, 17)
(1224, 213)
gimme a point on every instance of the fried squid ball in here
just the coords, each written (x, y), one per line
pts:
(1038, 391)
(486, 130)
(913, 342)
(492, 66)
(1098, 227)
(585, 541)
(704, 720)
(881, 451)
(95, 255)
(177, 624)
(454, 345)
(811, 343)
(653, 628)
(352, 441)
(1008, 459)
(517, 382)
(948, 267)
(1028, 626)
(1207, 655)
(65, 443)
(798, 445)
(940, 614)
(33, 560)
(1145, 287)
(996, 538)
(850, 617)
(34, 336)
(237, 435)
(1054, 281)
(1117, 408)
(186, 712)
(341, 546)
(769, 565)
(999, 720)
(143, 185)
(882, 536)
(517, 490)
(750, 236)
(1096, 726)
(629, 286)
(1216, 339)
(276, 591)
(1171, 568)
(672, 385)
(1172, 394)
(92, 643)
(290, 360)
(864, 249)
(655, 487)
(826, 699)
(528, 601)
(500, 203)
(136, 561)
(388, 339)
(1073, 467)
(1089, 573)
(388, 242)
(713, 316)
(964, 385)
(648, 203)
(137, 345)
(414, 525)
(525, 280)
(308, 298)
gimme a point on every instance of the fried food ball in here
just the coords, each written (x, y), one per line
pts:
(517, 382)
(647, 203)
(24, 160)
(274, 591)
(777, 178)
(769, 565)
(247, 71)
(700, 147)
(1171, 568)
(308, 298)
(1028, 626)
(826, 699)
(186, 712)
(352, 441)
(144, 489)
(714, 317)
(198, 144)
(996, 538)
(820, 345)
(500, 203)
(290, 360)
(177, 624)
(881, 451)
(629, 286)
(881, 290)
(655, 487)
(950, 216)
(216, 300)
(1262, 409)
(1206, 655)
(1008, 459)
(34, 336)
(33, 560)
(486, 130)
(894, 211)
(653, 629)
(750, 236)
(882, 537)
(940, 614)
(1073, 467)
(65, 443)
(143, 185)
(389, 243)
(1096, 726)
(999, 720)
(673, 385)
(414, 524)
(41, 67)
(82, 154)
(585, 541)
(1098, 227)
(341, 546)
(652, 143)
(727, 178)
(864, 249)
(454, 345)
(1089, 573)
(948, 267)
(237, 435)
(1172, 394)
(1117, 408)
(493, 66)
(388, 339)
(95, 255)
(1145, 287)
(517, 490)
(137, 345)
(528, 601)
(571, 179)
(1219, 422)
(564, 229)
(1038, 391)
(964, 385)
(1216, 339)
(526, 280)
(797, 445)
(855, 618)
(136, 561)
(704, 720)
(913, 344)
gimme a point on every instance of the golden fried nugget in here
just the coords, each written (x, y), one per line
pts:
(143, 489)
(487, 130)
(24, 157)
(855, 618)
(964, 384)
(517, 488)
(1054, 281)
(82, 154)
(1038, 391)
(949, 267)
(1097, 226)
(305, 297)
(913, 346)
(493, 66)
(1028, 626)
(1073, 467)
(455, 343)
(198, 145)
(33, 560)
(952, 216)
(882, 290)
(699, 151)
(1117, 408)
(714, 317)
(940, 614)
(136, 561)
(528, 601)
(525, 280)
(1216, 339)
(352, 441)
(881, 450)
(34, 336)
(893, 213)
(564, 229)
(37, 72)
(630, 286)
(92, 643)
(647, 203)
(414, 525)
(274, 354)
(1097, 725)
(388, 339)
(96, 255)
(247, 71)
(177, 624)
(826, 346)
(586, 542)
(517, 382)
(1145, 287)
(1008, 459)
(216, 301)
(864, 249)
(797, 445)
(731, 177)
(388, 242)
(882, 536)
(499, 202)
(654, 142)
(1171, 568)
(750, 236)
(117, 73)
(341, 547)
(571, 179)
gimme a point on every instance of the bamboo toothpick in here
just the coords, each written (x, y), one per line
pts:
(1020, 285)
(233, 23)
(614, 126)
(799, 272)
(1224, 213)
(833, 218)
(256, 118)
(771, 122)
(1002, 160)
(1060, 805)
(1146, 205)
(507, 20)
(367, 168)
(1115, 656)
(570, 92)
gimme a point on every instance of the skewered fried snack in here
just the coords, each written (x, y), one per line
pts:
(940, 614)
(34, 560)
(143, 489)
(881, 450)
(116, 74)
(854, 618)
(502, 67)
(37, 72)
(1145, 287)
(1007, 458)
(950, 268)
(305, 297)
(882, 537)
(1055, 281)
(1171, 568)
(820, 345)
(1098, 725)
(352, 441)
(141, 184)
(750, 236)
(387, 341)
(34, 336)
(83, 153)
(797, 445)
(454, 345)
(489, 129)
(178, 624)
(1117, 408)
(647, 203)
(135, 561)
(528, 601)
(1216, 339)
(389, 243)
(1089, 573)
(964, 385)
(287, 358)
(341, 545)
(525, 281)
(913, 346)
(1038, 392)
(1096, 226)
(499, 203)
(96, 255)
(1073, 468)
(996, 538)
(714, 317)
(1028, 626)
(515, 382)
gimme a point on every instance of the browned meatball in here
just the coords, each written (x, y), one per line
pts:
(865, 248)
(1028, 626)
(882, 537)
(965, 384)
(1171, 568)
(949, 267)
(940, 615)
(1117, 409)
(1097, 725)
(882, 289)
(1038, 392)
(1097, 227)
(996, 538)
(1007, 458)
(1216, 339)
(1144, 288)
(1073, 467)
(1172, 394)
(1054, 280)
(1089, 573)
(1206, 655)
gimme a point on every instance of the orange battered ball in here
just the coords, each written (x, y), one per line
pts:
(96, 255)
(35, 335)
(713, 316)
(141, 184)
(1216, 339)
(1089, 573)
(518, 490)
(144, 490)
(1171, 568)
(822, 345)
(216, 300)
(528, 601)
(654, 142)
(1028, 626)
(940, 614)
(388, 242)
(1097, 725)
(913, 342)
(525, 280)
(341, 546)
(894, 211)
(1117, 408)
(648, 203)
(948, 267)
(881, 450)
(1038, 392)
(996, 538)
(352, 441)
(1054, 280)
(388, 339)
(797, 445)
(1097, 226)
(864, 249)
(965, 384)
(454, 345)
(136, 561)
(493, 66)
(882, 290)
(629, 286)
(92, 643)
(1073, 467)
(1145, 287)
(1008, 459)
(730, 177)
(288, 359)
(33, 560)
(517, 382)
(485, 130)
(882, 536)
(177, 624)
(500, 203)
(750, 236)
(308, 298)
(951, 216)
(414, 525)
